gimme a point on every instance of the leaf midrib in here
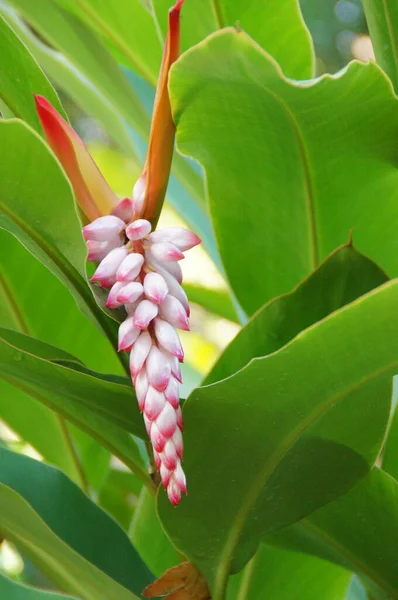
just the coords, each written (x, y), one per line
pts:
(273, 462)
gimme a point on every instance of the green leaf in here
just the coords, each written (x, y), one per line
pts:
(148, 537)
(382, 18)
(51, 519)
(103, 406)
(285, 435)
(292, 196)
(72, 81)
(46, 225)
(82, 47)
(119, 496)
(358, 531)
(390, 455)
(11, 590)
(343, 277)
(21, 77)
(276, 573)
(291, 47)
(129, 27)
(24, 278)
(218, 302)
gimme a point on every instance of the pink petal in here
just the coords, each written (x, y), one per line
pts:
(175, 366)
(158, 369)
(110, 264)
(179, 478)
(112, 301)
(172, 393)
(148, 425)
(130, 267)
(127, 334)
(174, 313)
(154, 403)
(157, 439)
(141, 388)
(130, 292)
(103, 229)
(124, 210)
(165, 251)
(144, 313)
(97, 250)
(169, 455)
(180, 422)
(155, 287)
(180, 237)
(139, 353)
(139, 195)
(164, 475)
(178, 442)
(173, 492)
(167, 421)
(138, 229)
(174, 288)
(158, 462)
(168, 338)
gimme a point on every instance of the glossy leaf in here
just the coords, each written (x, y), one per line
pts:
(218, 302)
(390, 456)
(343, 277)
(281, 175)
(292, 47)
(130, 29)
(358, 531)
(77, 393)
(382, 18)
(84, 48)
(148, 537)
(49, 229)
(13, 590)
(72, 81)
(69, 534)
(277, 573)
(17, 66)
(276, 428)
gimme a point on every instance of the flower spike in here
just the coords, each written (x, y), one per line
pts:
(139, 266)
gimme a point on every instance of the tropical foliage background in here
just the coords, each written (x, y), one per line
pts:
(287, 169)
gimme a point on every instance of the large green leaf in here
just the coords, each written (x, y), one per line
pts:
(218, 302)
(285, 435)
(129, 27)
(148, 537)
(344, 276)
(82, 47)
(291, 168)
(358, 531)
(291, 46)
(21, 77)
(24, 278)
(390, 456)
(103, 406)
(72, 81)
(53, 521)
(11, 590)
(276, 573)
(382, 18)
(39, 210)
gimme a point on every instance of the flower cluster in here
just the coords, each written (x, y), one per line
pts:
(140, 266)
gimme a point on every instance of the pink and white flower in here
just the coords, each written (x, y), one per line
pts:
(143, 275)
